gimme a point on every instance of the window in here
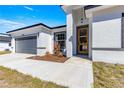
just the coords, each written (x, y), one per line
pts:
(60, 38)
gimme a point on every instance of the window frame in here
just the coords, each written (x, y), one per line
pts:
(63, 39)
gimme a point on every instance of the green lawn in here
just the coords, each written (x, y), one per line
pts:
(12, 78)
(108, 75)
(4, 52)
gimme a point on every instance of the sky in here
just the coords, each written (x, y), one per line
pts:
(17, 16)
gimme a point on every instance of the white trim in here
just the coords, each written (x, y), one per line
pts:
(68, 8)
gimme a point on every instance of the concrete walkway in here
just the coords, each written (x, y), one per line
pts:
(75, 72)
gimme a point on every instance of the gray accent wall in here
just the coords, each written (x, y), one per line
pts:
(122, 29)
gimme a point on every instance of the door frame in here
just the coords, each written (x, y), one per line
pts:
(77, 38)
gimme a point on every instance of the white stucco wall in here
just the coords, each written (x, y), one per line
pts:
(106, 29)
(79, 17)
(4, 46)
(44, 41)
(13, 45)
(51, 43)
(108, 56)
(107, 34)
(69, 36)
(58, 29)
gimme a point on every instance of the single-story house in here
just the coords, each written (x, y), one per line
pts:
(38, 39)
(5, 42)
(93, 30)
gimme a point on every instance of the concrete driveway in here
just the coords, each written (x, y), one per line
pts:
(76, 72)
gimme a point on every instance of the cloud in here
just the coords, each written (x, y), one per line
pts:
(10, 25)
(29, 8)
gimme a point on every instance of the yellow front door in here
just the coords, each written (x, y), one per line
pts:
(82, 40)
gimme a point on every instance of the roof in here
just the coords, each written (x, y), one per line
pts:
(58, 26)
(4, 34)
(5, 37)
(39, 24)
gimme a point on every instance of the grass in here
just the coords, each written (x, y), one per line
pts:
(11, 78)
(108, 75)
(4, 52)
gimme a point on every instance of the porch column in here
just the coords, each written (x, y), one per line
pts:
(69, 35)
(90, 36)
(52, 43)
(13, 45)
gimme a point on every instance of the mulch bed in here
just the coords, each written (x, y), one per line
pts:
(51, 57)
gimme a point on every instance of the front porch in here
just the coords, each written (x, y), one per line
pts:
(79, 34)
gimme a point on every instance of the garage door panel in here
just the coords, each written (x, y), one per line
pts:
(26, 45)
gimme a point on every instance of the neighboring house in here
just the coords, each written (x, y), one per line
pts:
(5, 42)
(38, 39)
(93, 30)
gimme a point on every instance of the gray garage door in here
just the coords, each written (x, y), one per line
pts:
(26, 45)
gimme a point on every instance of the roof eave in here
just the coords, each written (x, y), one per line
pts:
(39, 24)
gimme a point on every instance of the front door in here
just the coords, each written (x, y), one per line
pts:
(82, 40)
